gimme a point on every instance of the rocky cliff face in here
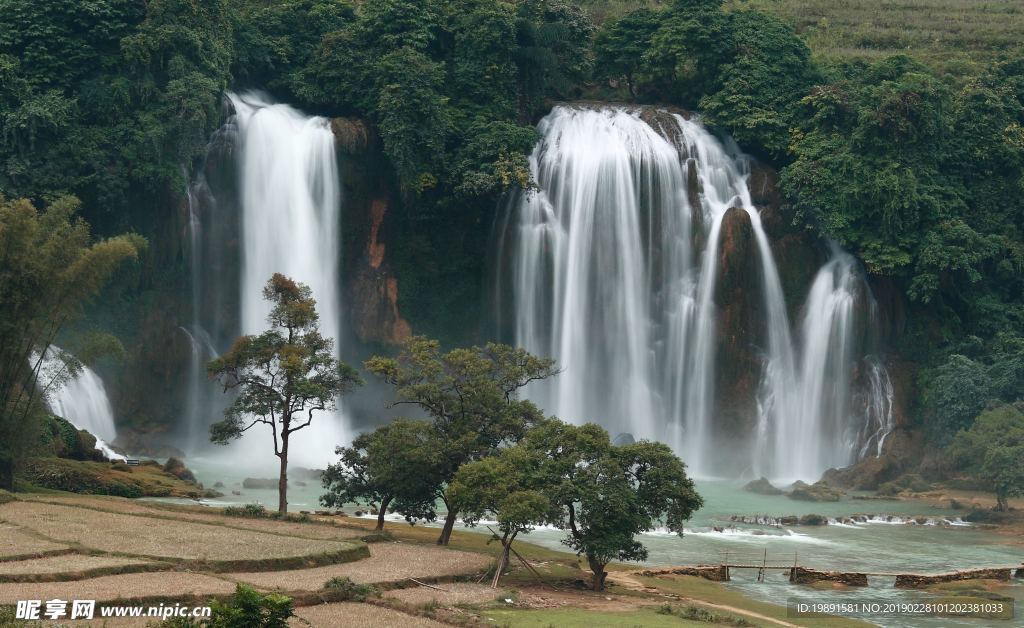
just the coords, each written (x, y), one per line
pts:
(371, 283)
(148, 389)
(740, 303)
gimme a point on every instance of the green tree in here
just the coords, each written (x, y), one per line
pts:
(283, 376)
(573, 477)
(993, 448)
(396, 466)
(471, 395)
(413, 115)
(551, 53)
(248, 608)
(50, 266)
(505, 486)
(955, 393)
(620, 46)
(757, 90)
(276, 44)
(108, 100)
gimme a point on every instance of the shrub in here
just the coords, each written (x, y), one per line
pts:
(696, 613)
(249, 608)
(909, 482)
(251, 511)
(349, 591)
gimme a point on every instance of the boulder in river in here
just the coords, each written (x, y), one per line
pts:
(178, 469)
(813, 520)
(259, 483)
(762, 487)
(817, 492)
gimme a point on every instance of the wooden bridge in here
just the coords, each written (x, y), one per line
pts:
(762, 562)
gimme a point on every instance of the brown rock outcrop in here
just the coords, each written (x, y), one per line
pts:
(916, 581)
(803, 575)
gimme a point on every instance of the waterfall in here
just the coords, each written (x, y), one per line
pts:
(586, 248)
(80, 399)
(610, 266)
(808, 417)
(878, 416)
(198, 401)
(814, 424)
(290, 222)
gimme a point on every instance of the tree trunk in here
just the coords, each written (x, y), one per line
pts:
(446, 531)
(380, 513)
(282, 481)
(502, 563)
(599, 573)
(1002, 505)
(6, 473)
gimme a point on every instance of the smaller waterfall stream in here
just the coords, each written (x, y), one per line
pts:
(809, 415)
(81, 400)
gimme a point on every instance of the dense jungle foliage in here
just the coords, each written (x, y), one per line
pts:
(918, 172)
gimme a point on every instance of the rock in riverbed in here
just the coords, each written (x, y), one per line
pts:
(762, 487)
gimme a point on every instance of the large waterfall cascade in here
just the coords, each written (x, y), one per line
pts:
(289, 199)
(81, 399)
(611, 266)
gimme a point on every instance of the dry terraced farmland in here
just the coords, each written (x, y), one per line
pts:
(15, 543)
(388, 562)
(202, 514)
(120, 551)
(159, 538)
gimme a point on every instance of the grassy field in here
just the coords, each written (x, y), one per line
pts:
(954, 36)
(951, 35)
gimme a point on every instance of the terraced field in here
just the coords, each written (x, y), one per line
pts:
(123, 552)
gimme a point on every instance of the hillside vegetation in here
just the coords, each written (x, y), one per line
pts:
(954, 35)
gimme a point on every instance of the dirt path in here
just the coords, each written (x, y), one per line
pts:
(627, 580)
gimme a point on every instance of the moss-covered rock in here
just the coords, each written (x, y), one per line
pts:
(813, 520)
(62, 439)
(906, 483)
(178, 469)
(106, 478)
(762, 487)
(817, 492)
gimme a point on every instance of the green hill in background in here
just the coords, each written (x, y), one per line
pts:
(955, 36)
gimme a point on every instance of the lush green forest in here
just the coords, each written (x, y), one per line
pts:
(914, 162)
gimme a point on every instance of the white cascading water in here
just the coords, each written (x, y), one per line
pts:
(80, 399)
(198, 398)
(291, 208)
(879, 420)
(808, 421)
(603, 271)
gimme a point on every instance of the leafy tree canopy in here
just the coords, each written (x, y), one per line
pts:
(993, 448)
(283, 377)
(574, 478)
(398, 465)
(50, 266)
(471, 395)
